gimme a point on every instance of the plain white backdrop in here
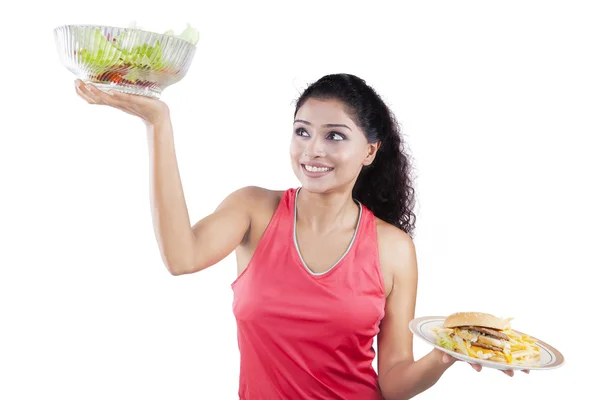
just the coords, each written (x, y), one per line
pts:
(498, 102)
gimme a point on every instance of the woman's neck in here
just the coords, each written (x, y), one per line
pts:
(324, 213)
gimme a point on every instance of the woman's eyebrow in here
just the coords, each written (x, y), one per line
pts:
(325, 125)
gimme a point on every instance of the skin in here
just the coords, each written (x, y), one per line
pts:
(325, 210)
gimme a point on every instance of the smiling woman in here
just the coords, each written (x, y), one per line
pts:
(324, 268)
(343, 120)
(318, 273)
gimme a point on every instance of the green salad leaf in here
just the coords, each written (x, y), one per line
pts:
(98, 51)
(127, 49)
(142, 55)
(445, 342)
(189, 34)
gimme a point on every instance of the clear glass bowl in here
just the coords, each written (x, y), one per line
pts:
(124, 59)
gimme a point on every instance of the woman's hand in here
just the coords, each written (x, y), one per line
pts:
(150, 110)
(448, 359)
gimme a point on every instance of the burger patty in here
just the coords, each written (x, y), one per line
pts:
(487, 331)
(486, 346)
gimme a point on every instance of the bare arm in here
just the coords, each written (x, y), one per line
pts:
(186, 249)
(400, 376)
(169, 210)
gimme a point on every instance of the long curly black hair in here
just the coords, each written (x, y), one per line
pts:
(386, 186)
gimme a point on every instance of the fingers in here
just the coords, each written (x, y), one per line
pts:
(447, 358)
(476, 367)
(99, 96)
(512, 372)
(147, 108)
(93, 95)
(84, 96)
(88, 92)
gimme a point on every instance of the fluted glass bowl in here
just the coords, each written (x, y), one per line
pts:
(124, 59)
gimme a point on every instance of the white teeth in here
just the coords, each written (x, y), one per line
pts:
(310, 168)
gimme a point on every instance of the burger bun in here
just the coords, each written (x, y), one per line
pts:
(473, 318)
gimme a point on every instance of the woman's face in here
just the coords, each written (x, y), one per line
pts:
(328, 150)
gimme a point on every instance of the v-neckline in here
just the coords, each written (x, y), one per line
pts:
(310, 271)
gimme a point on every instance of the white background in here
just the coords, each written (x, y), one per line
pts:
(497, 101)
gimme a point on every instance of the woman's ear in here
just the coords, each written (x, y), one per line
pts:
(371, 152)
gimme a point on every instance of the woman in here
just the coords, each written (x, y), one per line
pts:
(322, 269)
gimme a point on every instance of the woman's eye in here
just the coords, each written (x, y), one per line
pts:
(301, 132)
(336, 136)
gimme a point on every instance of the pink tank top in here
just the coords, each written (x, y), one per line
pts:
(305, 335)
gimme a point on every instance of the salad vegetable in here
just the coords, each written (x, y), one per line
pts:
(189, 33)
(126, 56)
(445, 341)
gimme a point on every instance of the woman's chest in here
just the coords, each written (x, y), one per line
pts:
(294, 303)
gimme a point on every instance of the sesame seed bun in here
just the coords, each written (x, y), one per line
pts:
(476, 319)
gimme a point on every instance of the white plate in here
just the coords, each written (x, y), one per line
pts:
(549, 358)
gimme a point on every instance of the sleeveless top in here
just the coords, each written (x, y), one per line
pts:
(305, 335)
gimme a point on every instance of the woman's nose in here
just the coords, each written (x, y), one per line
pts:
(314, 148)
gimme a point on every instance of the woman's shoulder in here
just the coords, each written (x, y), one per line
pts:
(260, 195)
(260, 200)
(397, 255)
(394, 244)
(391, 234)
(261, 204)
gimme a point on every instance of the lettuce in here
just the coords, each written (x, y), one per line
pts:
(189, 34)
(99, 52)
(445, 342)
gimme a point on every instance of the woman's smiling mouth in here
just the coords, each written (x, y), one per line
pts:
(315, 170)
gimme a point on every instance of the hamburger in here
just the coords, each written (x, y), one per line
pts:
(487, 337)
